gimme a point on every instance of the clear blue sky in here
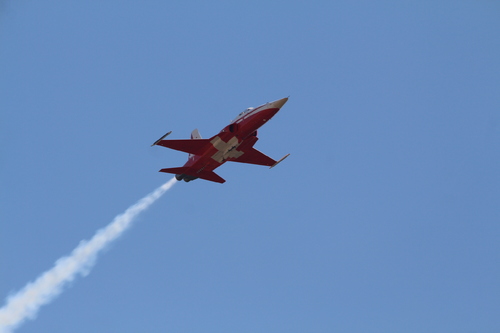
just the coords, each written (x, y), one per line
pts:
(385, 218)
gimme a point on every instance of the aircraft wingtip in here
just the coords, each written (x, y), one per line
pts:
(163, 137)
(275, 164)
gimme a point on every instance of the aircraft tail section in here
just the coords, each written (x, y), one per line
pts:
(187, 174)
(179, 171)
(195, 135)
(211, 176)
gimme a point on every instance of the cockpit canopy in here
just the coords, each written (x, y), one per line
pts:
(246, 111)
(242, 114)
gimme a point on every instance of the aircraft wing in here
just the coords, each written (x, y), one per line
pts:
(253, 156)
(195, 147)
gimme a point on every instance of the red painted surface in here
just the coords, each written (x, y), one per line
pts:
(234, 143)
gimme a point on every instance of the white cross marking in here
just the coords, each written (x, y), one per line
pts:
(225, 149)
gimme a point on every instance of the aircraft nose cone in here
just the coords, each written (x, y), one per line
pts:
(279, 103)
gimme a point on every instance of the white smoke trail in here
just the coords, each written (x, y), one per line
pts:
(25, 304)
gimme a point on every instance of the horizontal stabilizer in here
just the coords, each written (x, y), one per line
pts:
(207, 175)
(195, 147)
(211, 176)
(175, 171)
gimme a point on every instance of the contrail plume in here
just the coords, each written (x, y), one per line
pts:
(25, 303)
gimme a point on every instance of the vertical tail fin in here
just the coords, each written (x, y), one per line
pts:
(195, 134)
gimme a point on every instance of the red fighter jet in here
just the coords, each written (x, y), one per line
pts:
(234, 143)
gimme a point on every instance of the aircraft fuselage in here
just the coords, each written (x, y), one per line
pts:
(233, 143)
